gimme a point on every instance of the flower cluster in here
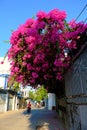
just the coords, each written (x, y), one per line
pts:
(37, 47)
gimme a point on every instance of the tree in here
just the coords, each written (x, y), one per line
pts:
(31, 95)
(40, 93)
(38, 48)
(14, 85)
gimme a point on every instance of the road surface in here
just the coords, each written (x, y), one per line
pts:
(38, 119)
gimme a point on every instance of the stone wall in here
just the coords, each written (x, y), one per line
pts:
(76, 93)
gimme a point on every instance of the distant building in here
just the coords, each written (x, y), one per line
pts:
(25, 90)
(4, 72)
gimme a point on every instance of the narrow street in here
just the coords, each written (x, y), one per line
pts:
(38, 119)
(13, 120)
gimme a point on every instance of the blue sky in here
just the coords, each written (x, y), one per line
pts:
(14, 13)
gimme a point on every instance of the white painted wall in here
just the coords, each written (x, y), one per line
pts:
(2, 81)
(51, 101)
(4, 69)
(6, 103)
(26, 90)
(13, 102)
(3, 102)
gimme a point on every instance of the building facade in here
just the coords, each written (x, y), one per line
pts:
(4, 72)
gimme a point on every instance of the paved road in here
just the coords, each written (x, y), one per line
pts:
(38, 119)
(13, 121)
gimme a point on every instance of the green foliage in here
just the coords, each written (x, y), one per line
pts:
(31, 95)
(39, 94)
(14, 86)
(33, 17)
(6, 41)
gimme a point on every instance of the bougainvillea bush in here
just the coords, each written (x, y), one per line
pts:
(37, 51)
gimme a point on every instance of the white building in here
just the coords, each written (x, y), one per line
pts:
(25, 90)
(4, 72)
(51, 101)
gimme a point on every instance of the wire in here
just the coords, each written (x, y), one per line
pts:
(81, 12)
(85, 20)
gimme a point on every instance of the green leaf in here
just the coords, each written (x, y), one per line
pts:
(6, 41)
(33, 17)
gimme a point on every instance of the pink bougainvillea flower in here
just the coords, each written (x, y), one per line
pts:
(16, 69)
(59, 77)
(37, 51)
(24, 63)
(34, 75)
(2, 62)
(57, 15)
(41, 15)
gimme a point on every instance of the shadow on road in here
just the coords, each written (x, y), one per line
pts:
(43, 119)
(37, 119)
